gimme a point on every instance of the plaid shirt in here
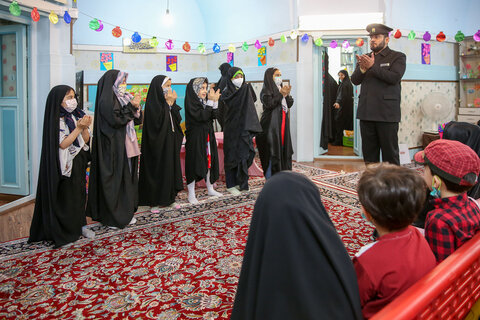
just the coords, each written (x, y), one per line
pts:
(451, 223)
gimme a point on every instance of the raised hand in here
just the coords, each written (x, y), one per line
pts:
(171, 96)
(87, 120)
(84, 122)
(136, 100)
(285, 90)
(214, 95)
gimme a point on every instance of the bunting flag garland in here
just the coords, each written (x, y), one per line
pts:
(411, 35)
(100, 26)
(153, 42)
(97, 25)
(136, 37)
(117, 32)
(53, 17)
(476, 36)
(459, 36)
(441, 37)
(186, 47)
(66, 17)
(14, 8)
(427, 36)
(35, 15)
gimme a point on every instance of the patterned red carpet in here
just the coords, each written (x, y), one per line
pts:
(178, 264)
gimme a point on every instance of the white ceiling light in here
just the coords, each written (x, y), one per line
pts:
(168, 19)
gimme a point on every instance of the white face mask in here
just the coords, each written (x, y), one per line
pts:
(278, 80)
(237, 82)
(122, 89)
(70, 105)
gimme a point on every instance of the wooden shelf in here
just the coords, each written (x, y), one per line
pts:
(470, 79)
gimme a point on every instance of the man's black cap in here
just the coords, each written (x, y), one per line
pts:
(378, 28)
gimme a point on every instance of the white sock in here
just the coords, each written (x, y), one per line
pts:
(133, 221)
(191, 193)
(234, 191)
(211, 191)
(87, 233)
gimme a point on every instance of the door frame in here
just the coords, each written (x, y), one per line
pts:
(318, 152)
(19, 103)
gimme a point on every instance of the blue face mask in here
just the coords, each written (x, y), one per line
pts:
(363, 216)
(435, 192)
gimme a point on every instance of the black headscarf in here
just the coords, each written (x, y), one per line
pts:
(112, 194)
(469, 134)
(240, 120)
(347, 77)
(160, 171)
(269, 142)
(53, 219)
(222, 82)
(295, 266)
(199, 126)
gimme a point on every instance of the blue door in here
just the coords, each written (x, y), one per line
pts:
(13, 111)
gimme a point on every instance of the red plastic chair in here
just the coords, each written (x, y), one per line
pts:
(447, 292)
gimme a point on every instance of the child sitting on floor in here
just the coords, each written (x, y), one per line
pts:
(451, 169)
(391, 197)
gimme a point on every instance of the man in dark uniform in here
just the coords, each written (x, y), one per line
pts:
(379, 73)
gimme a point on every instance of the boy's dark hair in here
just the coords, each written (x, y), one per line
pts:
(392, 195)
(453, 187)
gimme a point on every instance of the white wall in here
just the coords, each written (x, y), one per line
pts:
(316, 7)
(144, 16)
(441, 15)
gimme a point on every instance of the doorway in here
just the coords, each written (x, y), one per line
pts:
(14, 173)
(337, 134)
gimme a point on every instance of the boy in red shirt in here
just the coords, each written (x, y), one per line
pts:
(451, 169)
(391, 197)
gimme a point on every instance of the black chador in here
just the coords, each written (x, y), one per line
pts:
(295, 265)
(274, 143)
(160, 171)
(112, 194)
(201, 158)
(240, 125)
(59, 213)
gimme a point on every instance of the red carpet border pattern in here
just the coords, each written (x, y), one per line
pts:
(178, 264)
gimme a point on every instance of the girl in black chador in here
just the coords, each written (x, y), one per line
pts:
(295, 265)
(59, 213)
(343, 114)
(240, 125)
(160, 171)
(274, 143)
(201, 157)
(113, 184)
